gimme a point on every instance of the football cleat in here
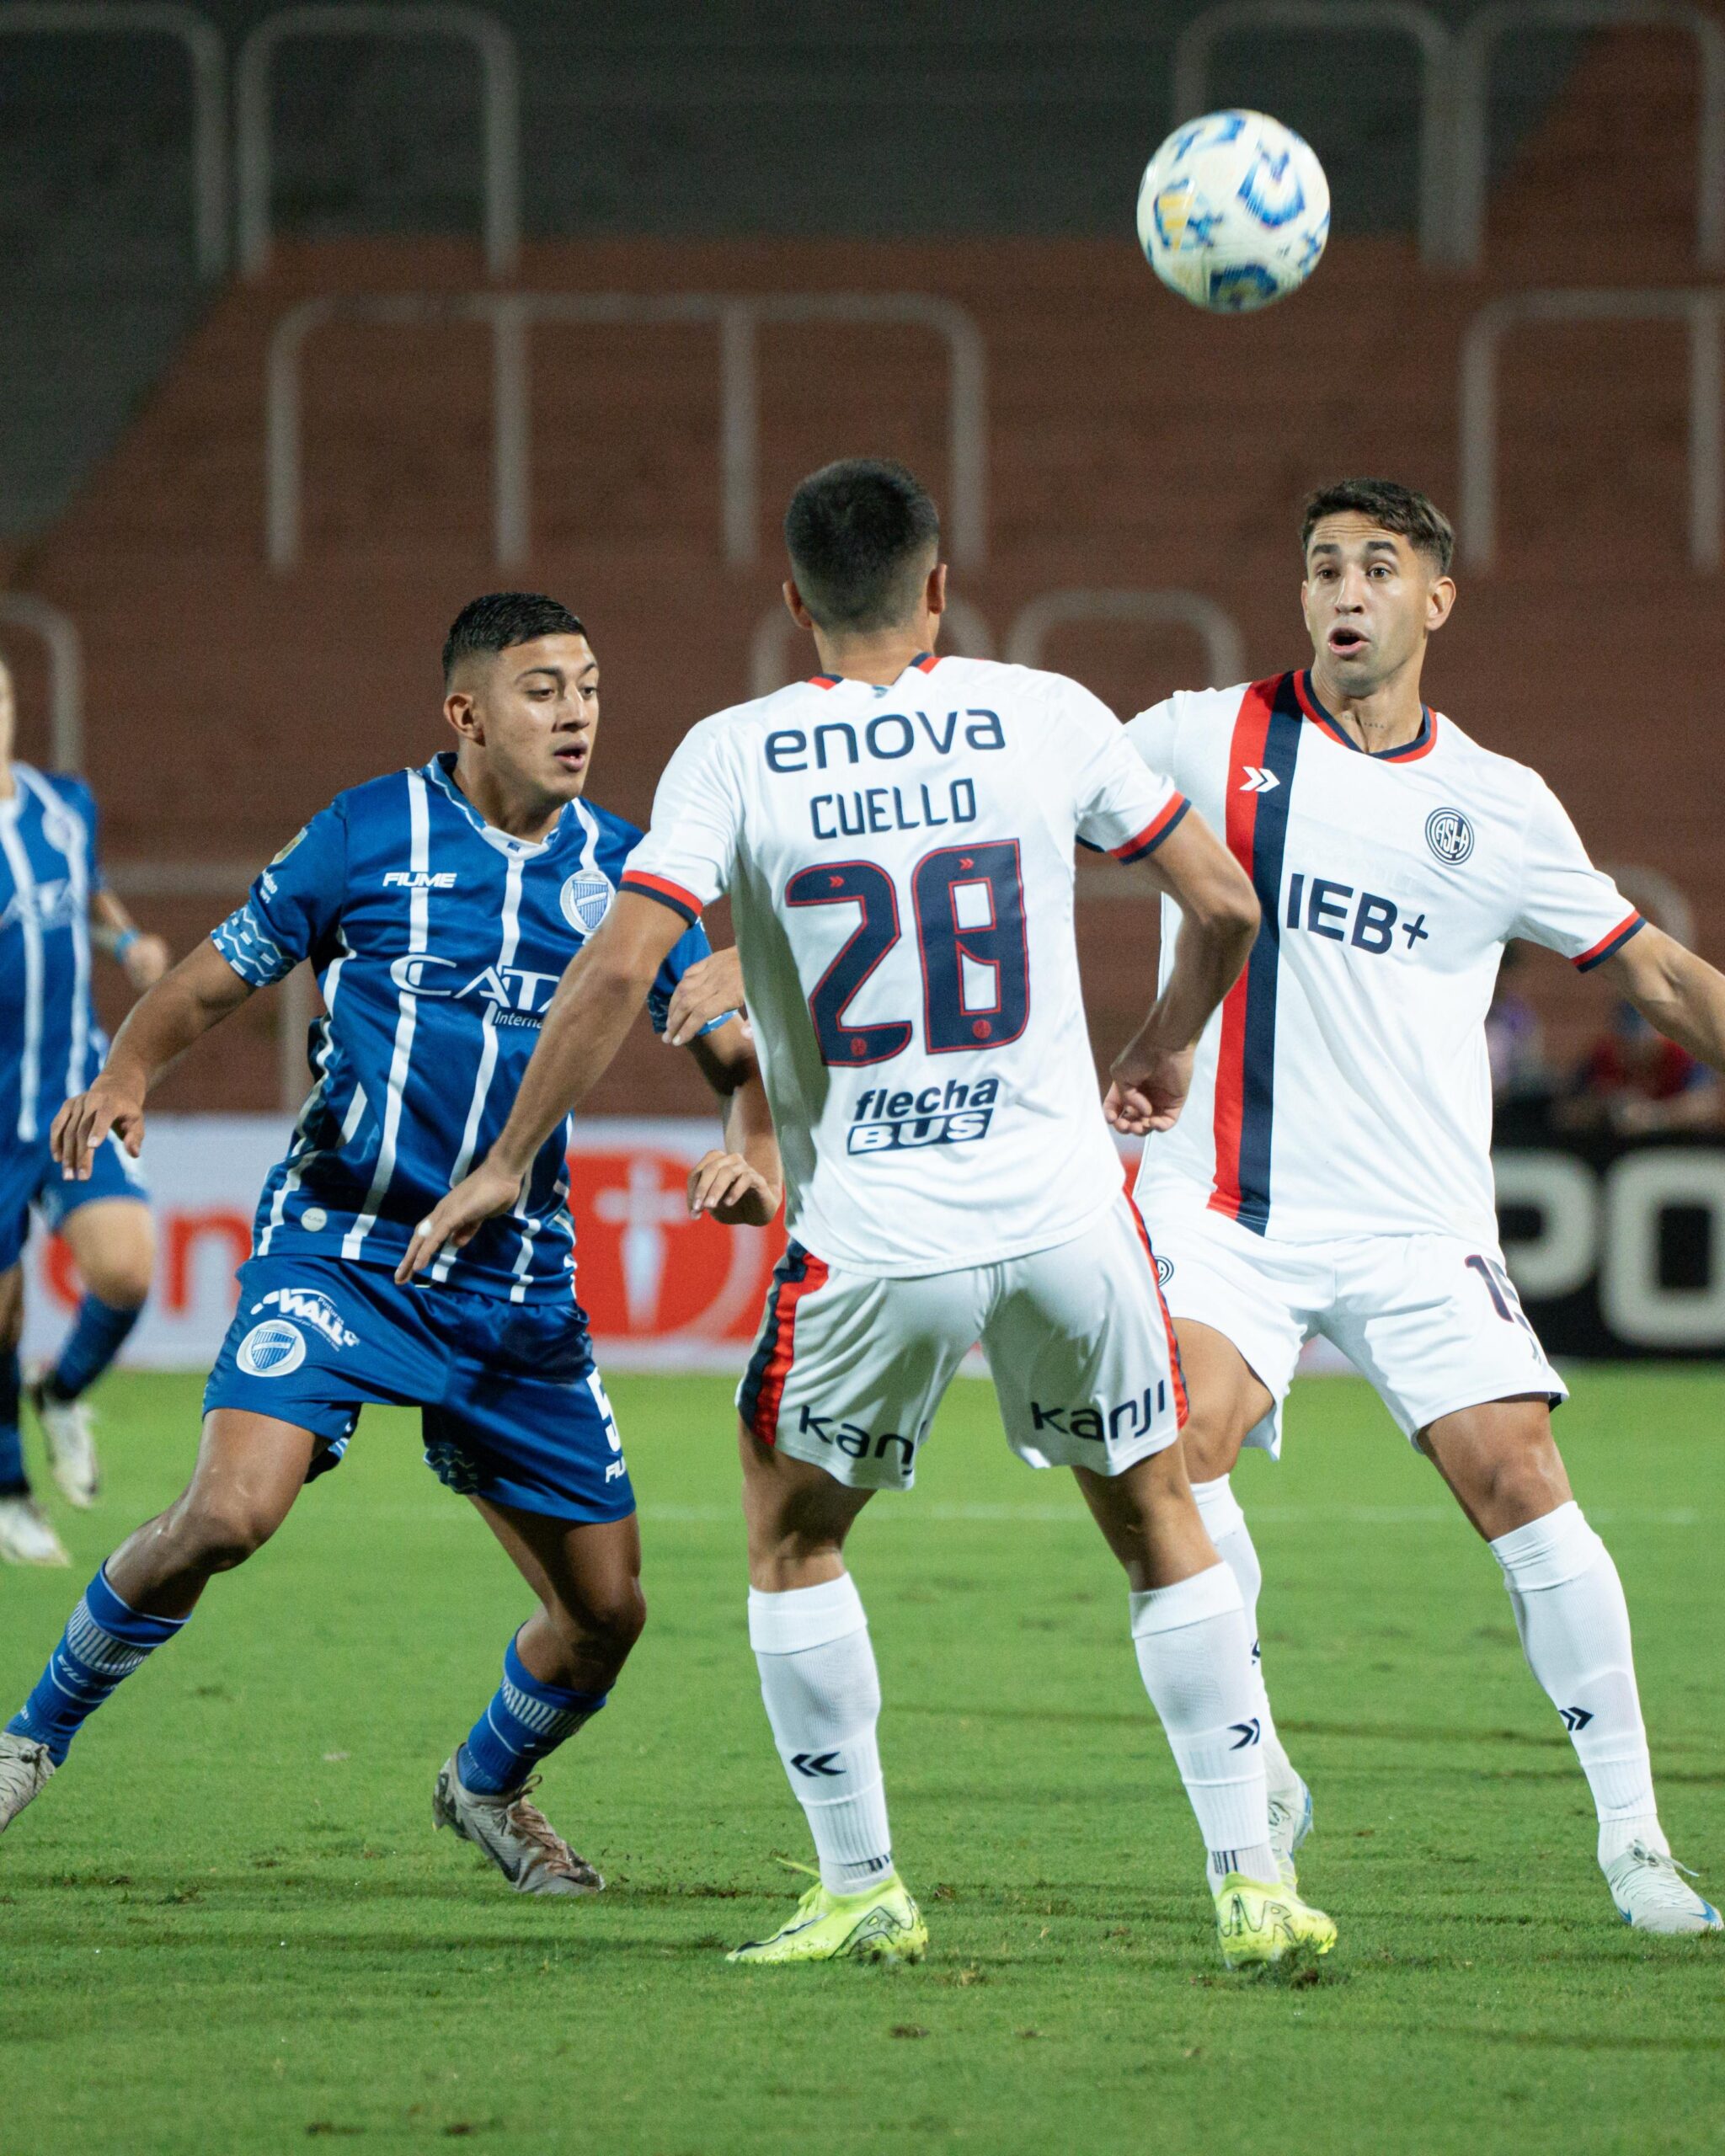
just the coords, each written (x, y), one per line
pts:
(26, 1537)
(883, 1924)
(1257, 1922)
(1647, 1885)
(24, 1769)
(71, 1438)
(1290, 1822)
(516, 1836)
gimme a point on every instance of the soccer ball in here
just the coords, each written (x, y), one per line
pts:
(1233, 211)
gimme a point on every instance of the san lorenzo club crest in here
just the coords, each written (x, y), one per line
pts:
(586, 898)
(1450, 835)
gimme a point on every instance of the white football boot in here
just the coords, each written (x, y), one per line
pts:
(26, 1538)
(516, 1836)
(24, 1769)
(1646, 1884)
(69, 1431)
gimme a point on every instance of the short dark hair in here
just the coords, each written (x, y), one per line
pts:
(500, 619)
(860, 533)
(1414, 517)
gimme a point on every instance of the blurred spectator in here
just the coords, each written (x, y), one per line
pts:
(1515, 1041)
(1634, 1080)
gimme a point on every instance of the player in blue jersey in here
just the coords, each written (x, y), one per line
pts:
(439, 907)
(54, 907)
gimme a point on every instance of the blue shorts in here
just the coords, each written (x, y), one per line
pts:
(512, 1406)
(30, 1176)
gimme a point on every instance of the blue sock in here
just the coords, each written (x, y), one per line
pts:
(104, 1640)
(13, 1482)
(98, 1334)
(525, 1722)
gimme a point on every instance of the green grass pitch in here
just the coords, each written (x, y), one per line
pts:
(227, 1926)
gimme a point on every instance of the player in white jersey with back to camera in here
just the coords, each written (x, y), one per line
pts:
(896, 839)
(1332, 1174)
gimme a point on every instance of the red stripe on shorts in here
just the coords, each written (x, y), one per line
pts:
(1156, 1281)
(764, 1422)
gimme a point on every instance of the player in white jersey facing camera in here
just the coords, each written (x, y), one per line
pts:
(1332, 1174)
(896, 839)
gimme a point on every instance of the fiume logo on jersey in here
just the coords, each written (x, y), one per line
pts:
(1450, 835)
(271, 1350)
(586, 899)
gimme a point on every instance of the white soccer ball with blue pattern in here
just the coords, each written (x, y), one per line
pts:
(1233, 211)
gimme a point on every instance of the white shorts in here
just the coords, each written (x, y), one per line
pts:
(849, 1369)
(1433, 1322)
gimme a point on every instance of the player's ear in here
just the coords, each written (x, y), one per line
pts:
(459, 710)
(934, 596)
(793, 601)
(1440, 602)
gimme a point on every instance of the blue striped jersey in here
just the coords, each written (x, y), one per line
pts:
(50, 1044)
(437, 941)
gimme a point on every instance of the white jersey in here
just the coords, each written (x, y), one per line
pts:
(1342, 1089)
(899, 864)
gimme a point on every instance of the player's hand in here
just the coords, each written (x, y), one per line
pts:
(1149, 1089)
(707, 991)
(455, 1220)
(146, 961)
(736, 1195)
(116, 1103)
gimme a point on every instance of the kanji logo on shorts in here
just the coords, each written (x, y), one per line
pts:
(271, 1350)
(1104, 1424)
(857, 1443)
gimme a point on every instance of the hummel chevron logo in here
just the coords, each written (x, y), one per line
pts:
(1575, 1718)
(1256, 780)
(1250, 1733)
(816, 1762)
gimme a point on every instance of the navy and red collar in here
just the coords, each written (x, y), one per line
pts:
(925, 662)
(1409, 752)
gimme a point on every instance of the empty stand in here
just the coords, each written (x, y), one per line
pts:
(1133, 445)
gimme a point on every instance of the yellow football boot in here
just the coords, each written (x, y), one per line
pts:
(884, 1924)
(1259, 1922)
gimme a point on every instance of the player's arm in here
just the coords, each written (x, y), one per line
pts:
(143, 957)
(741, 1184)
(199, 992)
(1675, 991)
(1218, 921)
(711, 987)
(597, 1001)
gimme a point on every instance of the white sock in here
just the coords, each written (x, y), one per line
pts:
(1219, 1510)
(1574, 1627)
(1195, 1654)
(823, 1700)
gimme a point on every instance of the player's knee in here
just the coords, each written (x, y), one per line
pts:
(121, 1281)
(610, 1618)
(1210, 1439)
(216, 1533)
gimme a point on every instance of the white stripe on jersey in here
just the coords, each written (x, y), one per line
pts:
(302, 1139)
(488, 1051)
(56, 819)
(408, 1011)
(30, 1076)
